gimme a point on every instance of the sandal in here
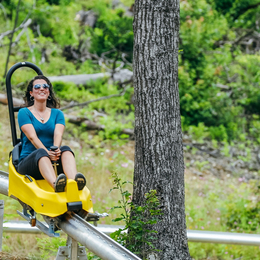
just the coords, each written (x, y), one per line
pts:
(60, 183)
(81, 180)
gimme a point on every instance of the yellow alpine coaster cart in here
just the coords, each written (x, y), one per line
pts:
(36, 196)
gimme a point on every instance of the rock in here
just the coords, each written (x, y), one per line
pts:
(119, 4)
(74, 144)
(86, 18)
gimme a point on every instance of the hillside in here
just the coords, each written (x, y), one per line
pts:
(218, 61)
(219, 99)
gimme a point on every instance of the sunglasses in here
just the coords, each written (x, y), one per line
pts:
(38, 86)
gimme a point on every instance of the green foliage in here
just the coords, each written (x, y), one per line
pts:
(220, 205)
(205, 68)
(113, 121)
(49, 246)
(218, 81)
(240, 12)
(202, 165)
(242, 213)
(113, 30)
(139, 234)
(218, 133)
(58, 2)
(198, 133)
(128, 2)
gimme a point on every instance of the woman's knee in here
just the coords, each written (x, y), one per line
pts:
(41, 153)
(66, 148)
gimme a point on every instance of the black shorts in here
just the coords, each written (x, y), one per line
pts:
(29, 165)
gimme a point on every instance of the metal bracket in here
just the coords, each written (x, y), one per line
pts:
(71, 251)
(95, 217)
(34, 222)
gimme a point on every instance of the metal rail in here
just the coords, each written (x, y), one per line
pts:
(92, 237)
(86, 234)
(193, 235)
(223, 238)
(97, 242)
(25, 227)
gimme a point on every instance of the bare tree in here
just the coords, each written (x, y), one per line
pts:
(159, 163)
(11, 39)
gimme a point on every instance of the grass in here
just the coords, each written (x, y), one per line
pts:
(207, 201)
(210, 202)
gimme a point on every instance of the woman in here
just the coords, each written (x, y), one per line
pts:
(42, 126)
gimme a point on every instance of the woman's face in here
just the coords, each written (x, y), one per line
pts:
(40, 94)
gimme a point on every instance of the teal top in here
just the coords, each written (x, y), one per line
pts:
(44, 131)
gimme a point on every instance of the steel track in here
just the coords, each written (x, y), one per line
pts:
(97, 242)
(83, 232)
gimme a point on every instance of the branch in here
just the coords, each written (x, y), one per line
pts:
(25, 26)
(72, 104)
(30, 46)
(16, 101)
(38, 30)
(2, 7)
(22, 25)
(88, 124)
(125, 60)
(120, 76)
(237, 41)
(222, 86)
(10, 46)
(105, 62)
(91, 125)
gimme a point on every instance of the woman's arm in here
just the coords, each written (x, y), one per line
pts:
(58, 132)
(30, 132)
(57, 138)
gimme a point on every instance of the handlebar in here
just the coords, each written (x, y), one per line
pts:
(13, 109)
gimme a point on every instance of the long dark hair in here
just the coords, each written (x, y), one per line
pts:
(52, 101)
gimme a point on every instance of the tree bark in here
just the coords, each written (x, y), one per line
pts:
(159, 163)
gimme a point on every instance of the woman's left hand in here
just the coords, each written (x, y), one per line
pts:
(58, 152)
(55, 155)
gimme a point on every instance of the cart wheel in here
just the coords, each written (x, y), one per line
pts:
(33, 222)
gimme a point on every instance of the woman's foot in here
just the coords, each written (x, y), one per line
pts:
(81, 180)
(60, 183)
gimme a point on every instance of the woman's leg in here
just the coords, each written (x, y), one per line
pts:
(39, 166)
(69, 164)
(69, 167)
(47, 171)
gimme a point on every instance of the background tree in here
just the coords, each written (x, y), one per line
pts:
(159, 161)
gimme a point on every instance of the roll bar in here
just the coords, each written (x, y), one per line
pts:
(11, 107)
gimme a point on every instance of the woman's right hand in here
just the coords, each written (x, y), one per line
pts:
(54, 155)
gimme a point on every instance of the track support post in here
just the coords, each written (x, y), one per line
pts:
(1, 222)
(71, 251)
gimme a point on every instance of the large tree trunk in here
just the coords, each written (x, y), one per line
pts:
(159, 163)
